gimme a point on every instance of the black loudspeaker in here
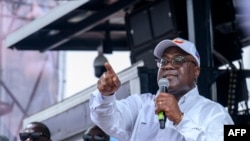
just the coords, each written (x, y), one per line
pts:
(140, 29)
(162, 19)
(150, 22)
(147, 25)
(226, 35)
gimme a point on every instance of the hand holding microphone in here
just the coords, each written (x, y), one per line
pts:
(167, 105)
(163, 84)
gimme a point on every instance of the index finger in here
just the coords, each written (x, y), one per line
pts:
(109, 68)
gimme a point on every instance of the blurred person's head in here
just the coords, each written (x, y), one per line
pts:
(95, 134)
(3, 138)
(35, 131)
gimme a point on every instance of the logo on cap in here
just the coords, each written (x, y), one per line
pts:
(178, 40)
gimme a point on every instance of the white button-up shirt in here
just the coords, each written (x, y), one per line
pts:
(134, 118)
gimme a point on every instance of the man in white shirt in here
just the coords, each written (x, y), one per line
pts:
(187, 115)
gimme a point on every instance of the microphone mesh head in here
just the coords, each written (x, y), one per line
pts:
(163, 82)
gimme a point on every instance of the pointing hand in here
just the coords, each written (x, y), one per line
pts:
(109, 81)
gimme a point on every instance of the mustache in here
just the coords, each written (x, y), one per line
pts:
(170, 73)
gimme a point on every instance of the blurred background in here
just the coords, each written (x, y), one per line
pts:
(52, 53)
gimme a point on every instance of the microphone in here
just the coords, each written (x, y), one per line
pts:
(163, 84)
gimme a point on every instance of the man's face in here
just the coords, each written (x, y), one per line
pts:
(182, 76)
(33, 133)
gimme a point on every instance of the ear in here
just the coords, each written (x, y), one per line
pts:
(196, 72)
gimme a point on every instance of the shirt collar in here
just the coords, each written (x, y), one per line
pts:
(188, 95)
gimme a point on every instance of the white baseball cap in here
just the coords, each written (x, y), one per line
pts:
(185, 45)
